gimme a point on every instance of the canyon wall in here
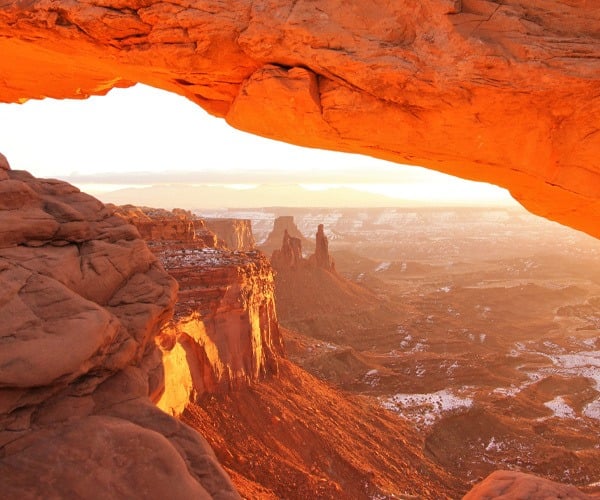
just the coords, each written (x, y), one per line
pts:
(235, 234)
(168, 227)
(81, 301)
(225, 333)
(501, 92)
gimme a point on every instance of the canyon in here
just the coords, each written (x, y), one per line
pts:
(93, 337)
(214, 358)
(478, 325)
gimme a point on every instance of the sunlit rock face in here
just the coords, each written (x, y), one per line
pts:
(225, 333)
(168, 227)
(506, 93)
(235, 234)
(81, 300)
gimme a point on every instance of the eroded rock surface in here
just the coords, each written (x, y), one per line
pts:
(169, 227)
(321, 255)
(225, 332)
(506, 93)
(289, 256)
(512, 484)
(81, 300)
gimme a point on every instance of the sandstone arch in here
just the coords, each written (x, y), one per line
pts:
(503, 92)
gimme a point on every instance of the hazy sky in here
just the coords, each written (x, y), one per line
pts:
(144, 136)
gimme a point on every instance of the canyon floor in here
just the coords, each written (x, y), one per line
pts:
(479, 327)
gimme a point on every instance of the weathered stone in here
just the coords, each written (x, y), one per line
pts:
(81, 300)
(512, 484)
(502, 93)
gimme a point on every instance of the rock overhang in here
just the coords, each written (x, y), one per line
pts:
(502, 93)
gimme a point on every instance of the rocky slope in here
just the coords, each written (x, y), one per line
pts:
(502, 92)
(82, 300)
(313, 297)
(295, 437)
(511, 484)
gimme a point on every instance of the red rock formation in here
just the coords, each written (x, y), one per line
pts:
(499, 92)
(290, 254)
(236, 234)
(157, 225)
(225, 332)
(282, 224)
(81, 300)
(512, 484)
(225, 319)
(321, 256)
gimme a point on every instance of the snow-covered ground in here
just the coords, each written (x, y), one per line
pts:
(426, 409)
(560, 408)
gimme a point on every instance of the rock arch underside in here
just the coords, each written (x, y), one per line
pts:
(506, 92)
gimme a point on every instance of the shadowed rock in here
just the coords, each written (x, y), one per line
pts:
(81, 300)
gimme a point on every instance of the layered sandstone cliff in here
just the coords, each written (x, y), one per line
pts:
(225, 332)
(226, 324)
(82, 300)
(501, 92)
(159, 226)
(236, 234)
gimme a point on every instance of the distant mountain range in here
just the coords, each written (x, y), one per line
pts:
(268, 195)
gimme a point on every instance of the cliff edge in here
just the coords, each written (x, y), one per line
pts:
(82, 300)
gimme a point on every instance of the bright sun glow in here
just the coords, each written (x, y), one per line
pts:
(133, 139)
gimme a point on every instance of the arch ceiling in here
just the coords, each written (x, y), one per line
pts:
(502, 92)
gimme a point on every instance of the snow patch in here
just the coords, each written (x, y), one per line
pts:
(592, 410)
(383, 266)
(494, 445)
(426, 408)
(560, 408)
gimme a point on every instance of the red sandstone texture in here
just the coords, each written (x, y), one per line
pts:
(502, 92)
(225, 333)
(511, 485)
(81, 301)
